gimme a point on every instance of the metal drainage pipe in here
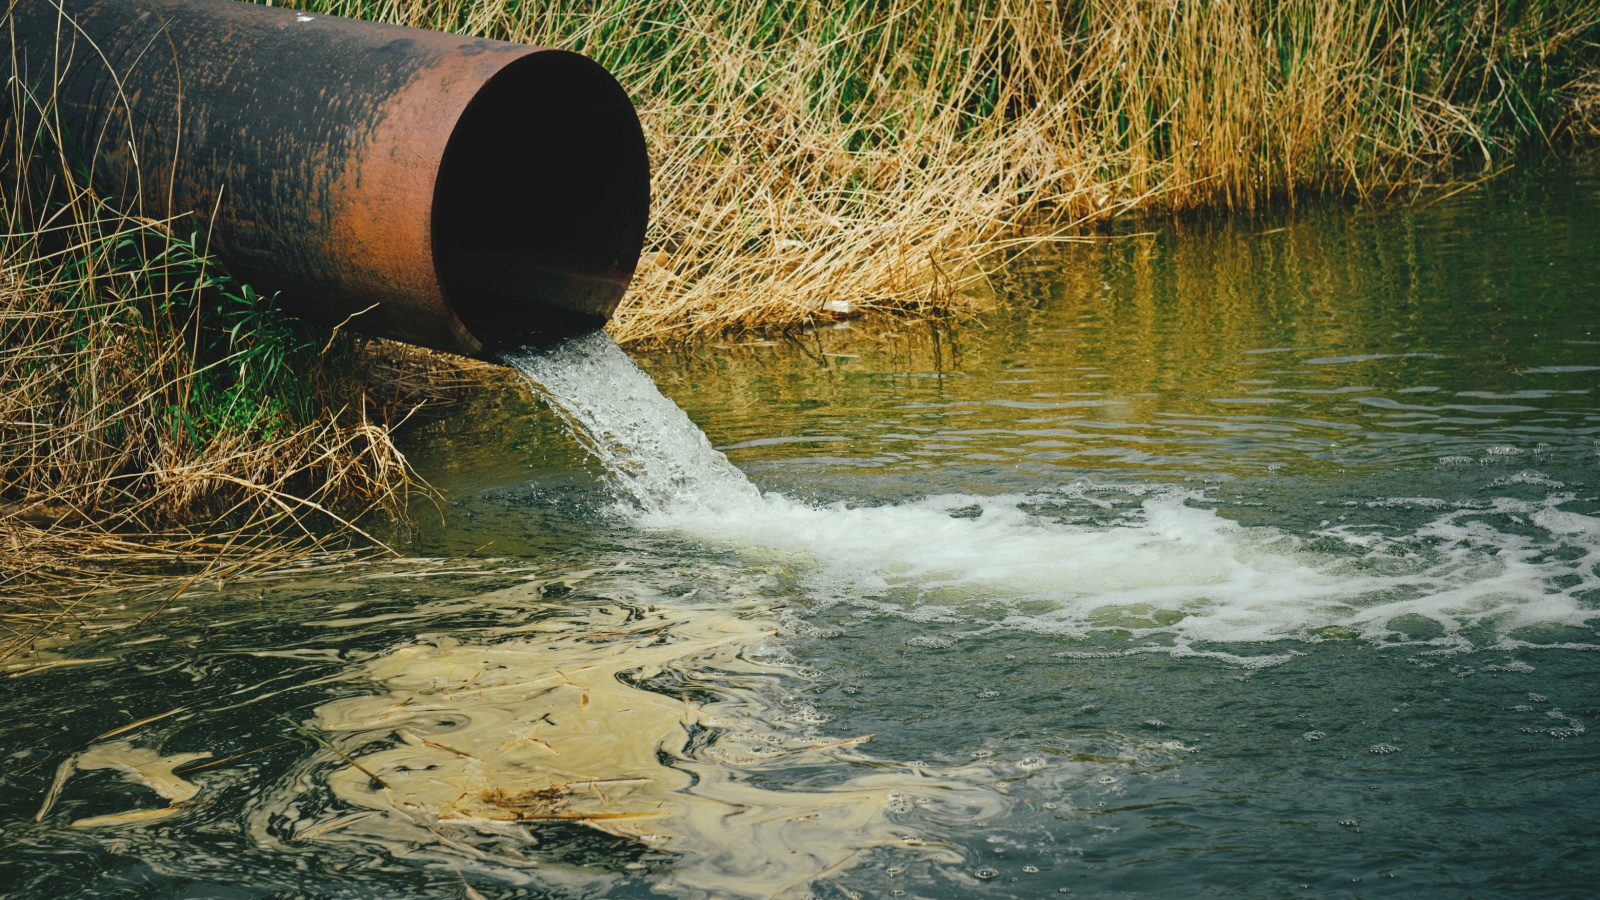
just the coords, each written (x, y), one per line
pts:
(463, 194)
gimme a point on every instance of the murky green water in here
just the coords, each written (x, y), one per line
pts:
(1250, 559)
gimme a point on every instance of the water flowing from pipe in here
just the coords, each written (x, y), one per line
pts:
(653, 454)
(1168, 565)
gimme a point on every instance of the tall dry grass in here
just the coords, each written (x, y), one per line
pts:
(809, 159)
(879, 154)
(161, 424)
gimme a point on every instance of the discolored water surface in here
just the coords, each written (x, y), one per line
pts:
(1246, 559)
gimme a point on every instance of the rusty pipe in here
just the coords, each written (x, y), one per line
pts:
(458, 193)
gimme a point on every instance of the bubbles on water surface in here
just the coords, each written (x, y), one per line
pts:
(1528, 477)
(1159, 561)
(1164, 572)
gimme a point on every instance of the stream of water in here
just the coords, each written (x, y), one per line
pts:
(1257, 558)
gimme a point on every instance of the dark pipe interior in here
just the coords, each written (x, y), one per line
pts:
(541, 203)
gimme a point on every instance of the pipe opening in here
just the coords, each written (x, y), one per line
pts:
(541, 203)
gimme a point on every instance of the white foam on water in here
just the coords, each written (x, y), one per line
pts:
(1170, 567)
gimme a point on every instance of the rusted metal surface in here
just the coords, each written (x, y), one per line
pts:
(463, 194)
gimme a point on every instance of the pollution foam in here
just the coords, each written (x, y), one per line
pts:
(1173, 567)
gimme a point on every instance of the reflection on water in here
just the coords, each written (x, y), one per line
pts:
(1336, 338)
(1260, 558)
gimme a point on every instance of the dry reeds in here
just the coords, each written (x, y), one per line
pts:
(104, 483)
(810, 159)
(159, 423)
(877, 154)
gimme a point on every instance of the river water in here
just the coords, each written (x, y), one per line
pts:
(1251, 558)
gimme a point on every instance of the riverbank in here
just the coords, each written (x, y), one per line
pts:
(810, 162)
(880, 156)
(163, 426)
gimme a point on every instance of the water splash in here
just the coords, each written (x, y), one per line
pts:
(653, 454)
(1162, 564)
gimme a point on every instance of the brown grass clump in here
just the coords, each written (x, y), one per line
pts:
(1584, 96)
(878, 155)
(159, 423)
(810, 160)
(104, 486)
